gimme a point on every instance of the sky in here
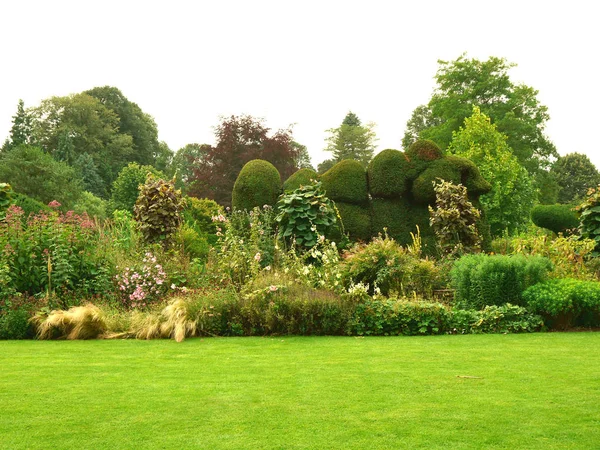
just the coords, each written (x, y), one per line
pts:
(301, 63)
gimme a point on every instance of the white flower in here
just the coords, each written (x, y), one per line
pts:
(257, 257)
(268, 268)
(173, 286)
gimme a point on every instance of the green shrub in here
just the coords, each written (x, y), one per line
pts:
(483, 280)
(425, 150)
(299, 178)
(389, 317)
(258, 184)
(385, 265)
(590, 217)
(193, 244)
(306, 214)
(158, 211)
(346, 182)
(356, 221)
(126, 188)
(495, 319)
(401, 218)
(557, 218)
(6, 195)
(202, 215)
(29, 205)
(14, 324)
(566, 302)
(90, 204)
(454, 220)
(389, 174)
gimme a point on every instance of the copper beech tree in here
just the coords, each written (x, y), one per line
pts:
(240, 139)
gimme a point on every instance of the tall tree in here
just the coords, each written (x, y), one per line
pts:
(21, 132)
(133, 122)
(513, 108)
(303, 157)
(185, 159)
(575, 174)
(352, 140)
(240, 139)
(508, 204)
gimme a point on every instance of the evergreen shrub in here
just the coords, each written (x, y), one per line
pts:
(258, 184)
(389, 174)
(557, 218)
(299, 178)
(346, 182)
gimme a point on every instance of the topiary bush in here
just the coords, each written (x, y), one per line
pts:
(566, 302)
(424, 150)
(157, 211)
(299, 178)
(389, 174)
(356, 221)
(557, 218)
(258, 184)
(346, 182)
(483, 280)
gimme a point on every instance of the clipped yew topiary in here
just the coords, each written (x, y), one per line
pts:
(425, 150)
(158, 210)
(258, 184)
(557, 218)
(390, 174)
(299, 178)
(356, 220)
(346, 182)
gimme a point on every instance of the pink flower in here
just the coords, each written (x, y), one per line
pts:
(257, 257)
(53, 204)
(272, 288)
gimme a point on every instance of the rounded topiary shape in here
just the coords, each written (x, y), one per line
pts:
(389, 174)
(424, 150)
(422, 189)
(557, 218)
(356, 221)
(346, 182)
(299, 178)
(258, 184)
(455, 169)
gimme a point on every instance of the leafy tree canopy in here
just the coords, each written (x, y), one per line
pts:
(240, 139)
(126, 188)
(351, 140)
(36, 174)
(508, 204)
(513, 108)
(575, 174)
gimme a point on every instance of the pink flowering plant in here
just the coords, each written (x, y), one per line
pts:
(142, 286)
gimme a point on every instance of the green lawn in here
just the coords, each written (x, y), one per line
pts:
(530, 391)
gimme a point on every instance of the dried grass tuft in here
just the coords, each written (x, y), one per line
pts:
(79, 322)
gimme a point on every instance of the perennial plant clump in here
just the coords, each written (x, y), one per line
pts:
(140, 287)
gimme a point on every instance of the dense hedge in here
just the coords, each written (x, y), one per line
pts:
(346, 182)
(425, 150)
(566, 302)
(258, 184)
(299, 178)
(557, 218)
(390, 173)
(483, 280)
(356, 221)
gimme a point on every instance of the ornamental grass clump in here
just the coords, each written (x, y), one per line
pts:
(79, 322)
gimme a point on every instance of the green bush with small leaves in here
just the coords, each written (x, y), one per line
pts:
(257, 184)
(157, 211)
(299, 178)
(6, 194)
(390, 174)
(484, 280)
(565, 302)
(590, 217)
(126, 188)
(557, 218)
(346, 182)
(424, 150)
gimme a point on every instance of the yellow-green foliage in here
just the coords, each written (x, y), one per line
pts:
(346, 182)
(299, 178)
(390, 174)
(258, 184)
(79, 322)
(356, 220)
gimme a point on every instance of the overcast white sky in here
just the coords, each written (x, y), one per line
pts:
(297, 62)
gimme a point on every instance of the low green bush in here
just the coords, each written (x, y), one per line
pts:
(495, 319)
(557, 218)
(566, 302)
(202, 214)
(483, 280)
(14, 324)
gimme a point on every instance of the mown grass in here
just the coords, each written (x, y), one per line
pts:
(530, 391)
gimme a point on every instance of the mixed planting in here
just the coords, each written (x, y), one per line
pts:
(105, 234)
